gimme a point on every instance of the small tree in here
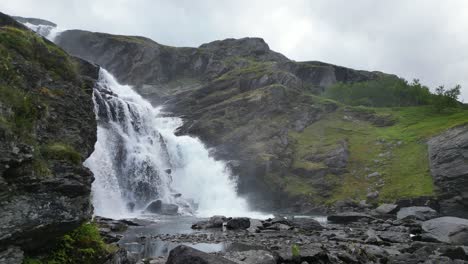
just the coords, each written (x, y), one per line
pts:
(444, 98)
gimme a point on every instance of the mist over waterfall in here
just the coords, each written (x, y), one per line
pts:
(139, 159)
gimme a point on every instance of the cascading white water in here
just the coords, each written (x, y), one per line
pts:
(138, 159)
(47, 31)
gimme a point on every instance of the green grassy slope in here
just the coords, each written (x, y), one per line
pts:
(398, 153)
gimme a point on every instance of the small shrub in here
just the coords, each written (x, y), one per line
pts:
(61, 151)
(295, 251)
(84, 245)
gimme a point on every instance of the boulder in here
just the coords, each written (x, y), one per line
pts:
(183, 255)
(417, 212)
(373, 195)
(214, 222)
(386, 209)
(448, 229)
(158, 207)
(306, 224)
(349, 217)
(238, 223)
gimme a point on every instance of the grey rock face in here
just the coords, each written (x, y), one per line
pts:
(448, 156)
(44, 192)
(12, 255)
(417, 212)
(184, 254)
(448, 229)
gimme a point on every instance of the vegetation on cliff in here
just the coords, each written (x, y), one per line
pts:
(83, 245)
(47, 127)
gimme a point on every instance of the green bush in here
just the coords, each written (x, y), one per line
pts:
(61, 151)
(386, 91)
(84, 245)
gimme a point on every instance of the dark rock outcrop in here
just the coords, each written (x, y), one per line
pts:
(238, 223)
(184, 254)
(448, 155)
(158, 207)
(47, 128)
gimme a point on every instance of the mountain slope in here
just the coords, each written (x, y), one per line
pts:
(267, 115)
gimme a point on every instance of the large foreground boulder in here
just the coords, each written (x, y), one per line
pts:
(448, 229)
(158, 207)
(447, 155)
(417, 212)
(185, 255)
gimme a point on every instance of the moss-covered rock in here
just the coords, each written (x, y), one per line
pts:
(47, 127)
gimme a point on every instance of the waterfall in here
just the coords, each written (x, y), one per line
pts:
(139, 159)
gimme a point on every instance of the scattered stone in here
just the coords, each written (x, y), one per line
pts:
(373, 195)
(374, 174)
(253, 257)
(387, 209)
(417, 212)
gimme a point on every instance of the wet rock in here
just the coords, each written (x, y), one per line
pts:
(386, 209)
(158, 207)
(255, 226)
(214, 222)
(417, 212)
(238, 223)
(349, 217)
(184, 255)
(448, 229)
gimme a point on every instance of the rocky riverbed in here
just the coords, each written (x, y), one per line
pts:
(387, 234)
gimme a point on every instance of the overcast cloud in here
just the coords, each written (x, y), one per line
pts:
(421, 39)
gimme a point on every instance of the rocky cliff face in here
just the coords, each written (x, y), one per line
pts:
(448, 154)
(47, 128)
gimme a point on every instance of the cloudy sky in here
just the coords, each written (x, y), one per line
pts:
(421, 39)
